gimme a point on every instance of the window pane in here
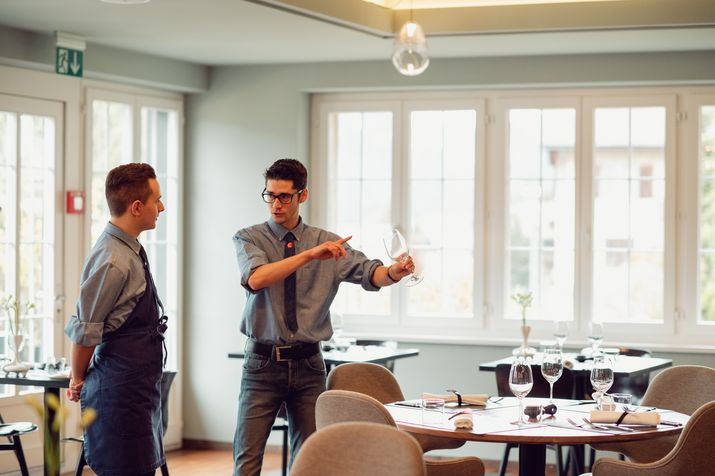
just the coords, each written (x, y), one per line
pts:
(360, 156)
(541, 211)
(629, 214)
(111, 146)
(707, 213)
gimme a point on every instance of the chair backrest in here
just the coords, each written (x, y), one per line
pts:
(370, 379)
(683, 388)
(563, 387)
(167, 378)
(359, 449)
(338, 406)
(692, 453)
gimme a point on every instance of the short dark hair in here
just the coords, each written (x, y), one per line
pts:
(288, 169)
(127, 183)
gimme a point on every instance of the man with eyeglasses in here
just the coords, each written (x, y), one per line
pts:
(291, 272)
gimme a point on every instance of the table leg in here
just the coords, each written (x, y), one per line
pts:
(51, 445)
(532, 460)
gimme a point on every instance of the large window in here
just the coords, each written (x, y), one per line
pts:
(126, 128)
(30, 157)
(574, 196)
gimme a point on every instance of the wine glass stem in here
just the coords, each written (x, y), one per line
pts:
(521, 409)
(551, 392)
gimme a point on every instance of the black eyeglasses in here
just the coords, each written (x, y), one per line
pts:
(284, 198)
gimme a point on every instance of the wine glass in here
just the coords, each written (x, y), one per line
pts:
(601, 376)
(595, 336)
(521, 381)
(552, 366)
(397, 249)
(561, 333)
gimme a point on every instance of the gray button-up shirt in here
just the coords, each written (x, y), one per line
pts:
(316, 283)
(111, 285)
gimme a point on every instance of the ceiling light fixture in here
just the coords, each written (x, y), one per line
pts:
(410, 53)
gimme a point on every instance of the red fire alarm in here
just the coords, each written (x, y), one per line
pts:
(75, 201)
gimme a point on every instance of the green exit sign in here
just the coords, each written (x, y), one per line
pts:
(69, 62)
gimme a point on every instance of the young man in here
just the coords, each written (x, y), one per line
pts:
(291, 272)
(118, 331)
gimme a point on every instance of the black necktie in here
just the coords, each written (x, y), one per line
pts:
(150, 281)
(289, 286)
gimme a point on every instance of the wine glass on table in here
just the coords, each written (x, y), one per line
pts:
(521, 382)
(552, 366)
(561, 333)
(595, 336)
(398, 250)
(601, 376)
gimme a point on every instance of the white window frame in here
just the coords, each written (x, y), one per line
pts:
(679, 330)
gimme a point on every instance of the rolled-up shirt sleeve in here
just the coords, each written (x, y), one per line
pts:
(249, 257)
(358, 268)
(99, 293)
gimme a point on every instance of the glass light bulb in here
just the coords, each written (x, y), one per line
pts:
(410, 53)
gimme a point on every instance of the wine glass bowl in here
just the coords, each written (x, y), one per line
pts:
(552, 366)
(398, 250)
(521, 381)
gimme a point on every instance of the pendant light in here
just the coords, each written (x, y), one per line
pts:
(410, 53)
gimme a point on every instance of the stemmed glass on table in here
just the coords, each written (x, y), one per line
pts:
(561, 333)
(521, 381)
(397, 249)
(595, 336)
(601, 376)
(552, 366)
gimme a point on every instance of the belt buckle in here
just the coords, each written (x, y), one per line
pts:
(278, 352)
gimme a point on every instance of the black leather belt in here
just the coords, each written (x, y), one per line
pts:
(281, 353)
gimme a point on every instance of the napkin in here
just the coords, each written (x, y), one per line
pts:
(463, 421)
(650, 418)
(475, 399)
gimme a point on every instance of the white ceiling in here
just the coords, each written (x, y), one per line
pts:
(219, 32)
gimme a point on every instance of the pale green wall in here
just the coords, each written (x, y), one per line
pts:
(252, 115)
(37, 51)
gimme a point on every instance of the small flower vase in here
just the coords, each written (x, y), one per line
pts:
(524, 350)
(16, 343)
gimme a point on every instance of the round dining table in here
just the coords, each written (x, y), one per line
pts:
(496, 423)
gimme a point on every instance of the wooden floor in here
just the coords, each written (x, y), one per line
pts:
(220, 463)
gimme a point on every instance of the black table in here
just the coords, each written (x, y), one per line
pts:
(52, 386)
(376, 354)
(624, 366)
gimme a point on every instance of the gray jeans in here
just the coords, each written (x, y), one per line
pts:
(265, 385)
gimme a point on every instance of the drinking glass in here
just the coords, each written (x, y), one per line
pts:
(595, 336)
(397, 249)
(561, 332)
(521, 381)
(552, 366)
(601, 376)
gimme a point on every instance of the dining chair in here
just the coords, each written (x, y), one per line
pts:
(379, 383)
(339, 406)
(692, 453)
(359, 449)
(684, 389)
(167, 378)
(563, 388)
(13, 431)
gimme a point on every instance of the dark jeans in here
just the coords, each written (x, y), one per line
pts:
(265, 385)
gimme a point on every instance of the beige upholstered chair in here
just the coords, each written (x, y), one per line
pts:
(683, 388)
(693, 452)
(379, 383)
(359, 449)
(339, 406)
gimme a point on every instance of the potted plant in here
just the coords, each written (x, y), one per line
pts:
(16, 336)
(524, 300)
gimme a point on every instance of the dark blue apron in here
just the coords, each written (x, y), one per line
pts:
(123, 386)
